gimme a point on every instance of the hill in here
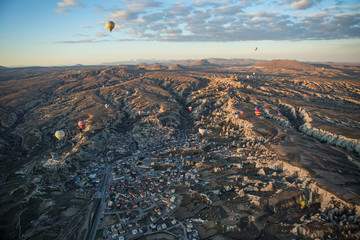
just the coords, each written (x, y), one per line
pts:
(176, 67)
(203, 63)
(286, 64)
(141, 158)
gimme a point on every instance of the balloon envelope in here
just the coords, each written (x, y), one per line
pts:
(110, 25)
(82, 124)
(202, 130)
(190, 108)
(106, 105)
(60, 134)
(257, 108)
(304, 203)
(258, 112)
(255, 48)
(242, 112)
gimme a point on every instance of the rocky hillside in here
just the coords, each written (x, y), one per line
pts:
(305, 144)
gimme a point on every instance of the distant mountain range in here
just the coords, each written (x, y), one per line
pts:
(208, 62)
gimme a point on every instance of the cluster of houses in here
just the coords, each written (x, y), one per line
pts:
(88, 178)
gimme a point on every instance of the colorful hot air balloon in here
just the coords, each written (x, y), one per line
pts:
(258, 112)
(255, 48)
(304, 203)
(190, 108)
(60, 134)
(279, 113)
(110, 25)
(237, 115)
(257, 108)
(242, 112)
(202, 130)
(82, 124)
(106, 105)
(199, 91)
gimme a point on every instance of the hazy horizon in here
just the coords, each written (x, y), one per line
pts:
(71, 32)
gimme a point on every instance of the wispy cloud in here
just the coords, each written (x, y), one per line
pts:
(80, 35)
(101, 34)
(84, 26)
(302, 4)
(89, 40)
(69, 3)
(61, 10)
(354, 8)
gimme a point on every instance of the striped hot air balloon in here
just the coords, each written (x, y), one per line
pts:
(190, 108)
(258, 112)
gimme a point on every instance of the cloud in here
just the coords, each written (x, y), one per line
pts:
(89, 40)
(207, 3)
(230, 20)
(101, 34)
(302, 4)
(61, 10)
(84, 26)
(228, 10)
(69, 3)
(80, 35)
(66, 3)
(354, 8)
(132, 11)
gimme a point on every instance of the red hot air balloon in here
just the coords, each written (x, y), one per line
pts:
(258, 112)
(190, 108)
(82, 124)
(242, 112)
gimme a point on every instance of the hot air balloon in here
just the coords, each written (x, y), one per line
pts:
(257, 108)
(255, 48)
(106, 105)
(82, 124)
(237, 115)
(202, 130)
(258, 112)
(242, 112)
(190, 108)
(323, 69)
(110, 25)
(279, 113)
(247, 76)
(60, 134)
(304, 203)
(199, 91)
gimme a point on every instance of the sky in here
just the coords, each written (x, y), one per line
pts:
(69, 32)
